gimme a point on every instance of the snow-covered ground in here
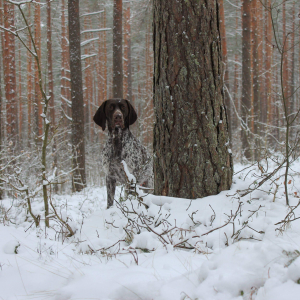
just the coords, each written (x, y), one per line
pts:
(175, 249)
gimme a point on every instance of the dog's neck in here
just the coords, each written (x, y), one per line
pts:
(117, 135)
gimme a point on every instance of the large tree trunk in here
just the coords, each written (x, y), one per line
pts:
(191, 155)
(79, 179)
(117, 51)
(246, 77)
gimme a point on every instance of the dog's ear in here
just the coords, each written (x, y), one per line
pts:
(100, 117)
(132, 116)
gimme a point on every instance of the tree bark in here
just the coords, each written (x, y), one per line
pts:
(29, 85)
(256, 75)
(225, 62)
(246, 77)
(127, 54)
(268, 118)
(79, 179)
(51, 88)
(9, 65)
(117, 51)
(191, 155)
(65, 68)
(37, 91)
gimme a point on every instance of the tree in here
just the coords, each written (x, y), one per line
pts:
(246, 77)
(225, 61)
(37, 90)
(191, 155)
(127, 54)
(117, 51)
(79, 179)
(256, 63)
(9, 65)
(29, 84)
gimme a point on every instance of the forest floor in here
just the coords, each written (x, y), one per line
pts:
(221, 247)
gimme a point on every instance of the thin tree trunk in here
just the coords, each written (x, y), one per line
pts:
(88, 88)
(268, 71)
(20, 106)
(78, 143)
(292, 63)
(51, 88)
(65, 84)
(285, 58)
(246, 77)
(236, 121)
(1, 94)
(10, 73)
(37, 91)
(117, 51)
(225, 62)
(29, 85)
(256, 76)
(127, 54)
(104, 58)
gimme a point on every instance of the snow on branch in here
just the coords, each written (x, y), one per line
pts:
(95, 30)
(92, 13)
(87, 56)
(88, 41)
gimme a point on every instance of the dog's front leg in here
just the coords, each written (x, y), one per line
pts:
(111, 188)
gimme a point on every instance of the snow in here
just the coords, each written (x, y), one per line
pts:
(102, 261)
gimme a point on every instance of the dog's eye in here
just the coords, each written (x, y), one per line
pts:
(122, 107)
(111, 107)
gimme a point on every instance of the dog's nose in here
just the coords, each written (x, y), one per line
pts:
(118, 117)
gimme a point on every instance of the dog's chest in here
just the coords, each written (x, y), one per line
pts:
(123, 147)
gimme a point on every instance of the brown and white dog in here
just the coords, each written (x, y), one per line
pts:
(118, 115)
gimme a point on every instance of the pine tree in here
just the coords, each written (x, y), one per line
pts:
(191, 157)
(78, 143)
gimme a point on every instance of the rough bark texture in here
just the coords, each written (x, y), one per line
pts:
(79, 179)
(117, 51)
(191, 157)
(246, 76)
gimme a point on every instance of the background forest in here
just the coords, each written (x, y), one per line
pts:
(253, 77)
(241, 244)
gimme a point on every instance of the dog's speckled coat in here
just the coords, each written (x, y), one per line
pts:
(122, 145)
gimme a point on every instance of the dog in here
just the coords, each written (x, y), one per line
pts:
(122, 145)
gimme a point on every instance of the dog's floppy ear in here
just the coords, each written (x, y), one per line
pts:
(132, 116)
(100, 117)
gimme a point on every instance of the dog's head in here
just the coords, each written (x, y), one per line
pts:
(118, 113)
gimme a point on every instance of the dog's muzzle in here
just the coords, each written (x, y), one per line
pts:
(118, 119)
